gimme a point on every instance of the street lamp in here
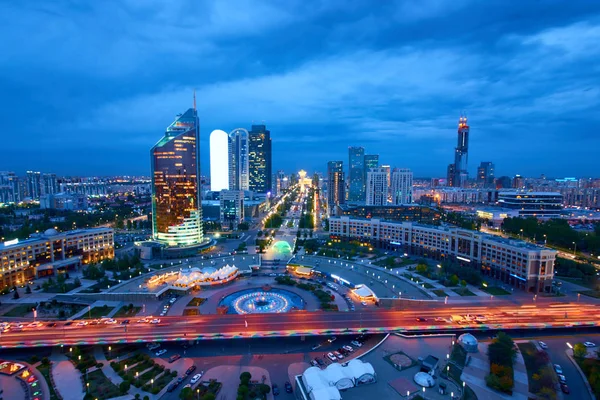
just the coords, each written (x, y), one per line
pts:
(574, 248)
(569, 345)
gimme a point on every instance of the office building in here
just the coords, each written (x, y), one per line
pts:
(46, 254)
(402, 186)
(64, 201)
(518, 182)
(34, 185)
(336, 187)
(10, 188)
(231, 208)
(48, 184)
(412, 213)
(259, 159)
(371, 161)
(516, 263)
(450, 175)
(504, 182)
(356, 174)
(461, 156)
(377, 188)
(239, 168)
(485, 174)
(219, 160)
(176, 191)
(532, 204)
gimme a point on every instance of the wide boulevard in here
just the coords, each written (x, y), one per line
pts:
(500, 316)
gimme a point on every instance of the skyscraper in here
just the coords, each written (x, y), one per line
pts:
(377, 187)
(450, 175)
(461, 154)
(259, 159)
(239, 169)
(176, 192)
(356, 173)
(34, 185)
(219, 160)
(336, 187)
(48, 184)
(402, 181)
(485, 174)
(10, 191)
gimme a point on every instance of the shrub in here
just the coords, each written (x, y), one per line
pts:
(124, 387)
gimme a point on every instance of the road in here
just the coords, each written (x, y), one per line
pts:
(500, 316)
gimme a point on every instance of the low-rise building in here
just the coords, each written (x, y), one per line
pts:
(515, 262)
(412, 213)
(45, 254)
(532, 204)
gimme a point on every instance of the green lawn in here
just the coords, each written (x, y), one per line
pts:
(100, 386)
(591, 293)
(580, 282)
(428, 285)
(117, 350)
(45, 371)
(196, 301)
(440, 293)
(127, 312)
(463, 292)
(97, 312)
(495, 290)
(20, 311)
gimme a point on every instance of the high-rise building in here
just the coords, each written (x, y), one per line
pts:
(10, 190)
(518, 182)
(450, 175)
(231, 208)
(356, 173)
(259, 159)
(219, 160)
(485, 174)
(377, 188)
(48, 184)
(239, 169)
(176, 189)
(461, 155)
(34, 186)
(402, 181)
(336, 187)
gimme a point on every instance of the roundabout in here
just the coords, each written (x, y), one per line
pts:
(256, 301)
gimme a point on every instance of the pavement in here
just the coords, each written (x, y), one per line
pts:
(66, 377)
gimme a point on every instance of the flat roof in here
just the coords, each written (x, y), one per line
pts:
(42, 238)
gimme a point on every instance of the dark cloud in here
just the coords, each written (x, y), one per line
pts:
(88, 87)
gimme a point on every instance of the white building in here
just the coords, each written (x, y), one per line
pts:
(514, 262)
(377, 187)
(219, 160)
(402, 182)
(325, 384)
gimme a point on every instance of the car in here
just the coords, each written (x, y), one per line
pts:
(314, 363)
(125, 322)
(172, 387)
(343, 351)
(174, 358)
(558, 369)
(543, 345)
(190, 370)
(196, 378)
(161, 352)
(338, 355)
(153, 346)
(421, 319)
(316, 346)
(364, 303)
(589, 344)
(562, 378)
(332, 339)
(51, 325)
(155, 321)
(320, 361)
(288, 387)
(189, 385)
(180, 379)
(35, 325)
(439, 319)
(565, 389)
(349, 349)
(331, 356)
(69, 323)
(82, 323)
(356, 343)
(275, 389)
(110, 321)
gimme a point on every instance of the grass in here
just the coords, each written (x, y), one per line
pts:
(537, 363)
(45, 371)
(428, 285)
(495, 290)
(20, 311)
(196, 301)
(159, 383)
(591, 293)
(459, 356)
(580, 282)
(118, 351)
(97, 312)
(440, 293)
(100, 386)
(127, 312)
(463, 292)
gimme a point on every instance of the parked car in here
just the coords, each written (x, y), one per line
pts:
(558, 369)
(562, 378)
(314, 363)
(589, 344)
(275, 390)
(288, 387)
(160, 352)
(190, 370)
(320, 361)
(349, 349)
(565, 389)
(171, 387)
(174, 358)
(331, 357)
(355, 343)
(338, 355)
(543, 345)
(196, 378)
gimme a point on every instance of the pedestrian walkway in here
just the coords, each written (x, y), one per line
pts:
(82, 313)
(66, 377)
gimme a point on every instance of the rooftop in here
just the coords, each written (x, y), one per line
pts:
(47, 235)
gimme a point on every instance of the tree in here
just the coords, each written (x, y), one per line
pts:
(245, 376)
(124, 387)
(76, 282)
(259, 233)
(579, 350)
(16, 295)
(454, 280)
(243, 390)
(209, 396)
(421, 268)
(27, 290)
(186, 394)
(463, 283)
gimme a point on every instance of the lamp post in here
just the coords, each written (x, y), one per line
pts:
(87, 387)
(574, 248)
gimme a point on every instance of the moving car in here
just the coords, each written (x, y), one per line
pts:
(275, 390)
(421, 319)
(196, 378)
(589, 344)
(161, 352)
(288, 387)
(364, 303)
(332, 339)
(82, 323)
(543, 345)
(155, 321)
(562, 378)
(558, 369)
(153, 346)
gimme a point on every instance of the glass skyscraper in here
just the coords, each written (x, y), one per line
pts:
(176, 196)
(356, 173)
(259, 159)
(239, 174)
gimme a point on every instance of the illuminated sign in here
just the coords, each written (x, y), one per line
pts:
(340, 279)
(11, 242)
(463, 259)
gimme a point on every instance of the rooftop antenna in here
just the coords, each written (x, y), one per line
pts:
(194, 99)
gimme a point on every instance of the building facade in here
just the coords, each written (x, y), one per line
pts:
(64, 201)
(336, 187)
(176, 195)
(10, 188)
(377, 188)
(485, 174)
(412, 213)
(402, 186)
(49, 184)
(34, 185)
(231, 208)
(239, 168)
(532, 204)
(46, 254)
(259, 159)
(520, 264)
(461, 155)
(356, 174)
(219, 160)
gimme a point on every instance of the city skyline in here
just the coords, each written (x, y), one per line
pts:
(372, 92)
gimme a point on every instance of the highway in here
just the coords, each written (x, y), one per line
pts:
(205, 327)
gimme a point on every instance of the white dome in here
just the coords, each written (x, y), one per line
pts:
(467, 339)
(424, 379)
(50, 232)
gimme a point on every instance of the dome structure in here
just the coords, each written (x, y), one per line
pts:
(424, 379)
(50, 232)
(468, 342)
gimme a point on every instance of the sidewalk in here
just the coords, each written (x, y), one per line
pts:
(82, 313)
(66, 377)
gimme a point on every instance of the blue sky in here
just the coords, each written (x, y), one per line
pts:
(89, 86)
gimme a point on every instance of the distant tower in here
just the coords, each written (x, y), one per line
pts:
(336, 186)
(239, 169)
(219, 160)
(461, 155)
(356, 173)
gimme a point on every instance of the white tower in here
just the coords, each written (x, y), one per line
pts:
(376, 187)
(219, 160)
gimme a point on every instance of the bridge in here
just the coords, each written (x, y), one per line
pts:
(302, 323)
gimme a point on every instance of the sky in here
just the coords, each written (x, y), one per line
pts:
(88, 87)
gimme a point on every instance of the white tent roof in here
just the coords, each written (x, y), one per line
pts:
(364, 291)
(359, 368)
(339, 376)
(326, 393)
(193, 275)
(314, 379)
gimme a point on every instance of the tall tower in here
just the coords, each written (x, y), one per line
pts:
(239, 169)
(376, 187)
(219, 160)
(176, 191)
(356, 173)
(402, 181)
(461, 154)
(336, 187)
(259, 159)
